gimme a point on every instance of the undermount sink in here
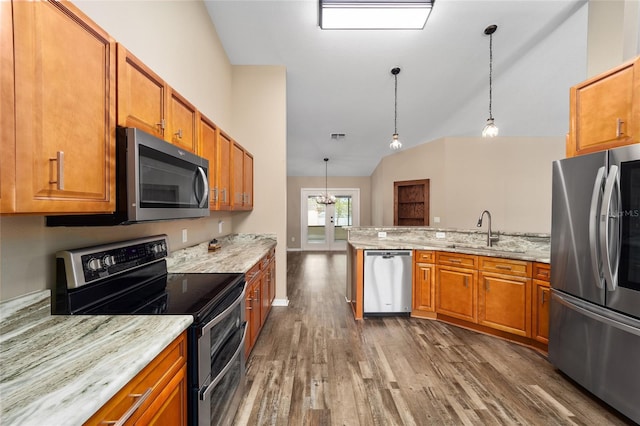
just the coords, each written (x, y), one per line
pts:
(488, 249)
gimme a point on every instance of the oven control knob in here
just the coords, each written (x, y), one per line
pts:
(109, 260)
(157, 248)
(94, 264)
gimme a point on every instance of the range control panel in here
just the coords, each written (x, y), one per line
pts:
(83, 266)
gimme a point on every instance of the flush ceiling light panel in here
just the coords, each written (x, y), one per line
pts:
(374, 14)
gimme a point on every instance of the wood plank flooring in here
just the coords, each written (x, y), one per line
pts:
(314, 364)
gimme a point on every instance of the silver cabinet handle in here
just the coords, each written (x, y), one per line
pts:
(486, 285)
(611, 188)
(619, 124)
(596, 197)
(179, 133)
(466, 281)
(224, 195)
(544, 293)
(505, 267)
(161, 124)
(60, 170)
(141, 398)
(214, 191)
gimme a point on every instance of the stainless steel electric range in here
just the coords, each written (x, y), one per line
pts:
(130, 277)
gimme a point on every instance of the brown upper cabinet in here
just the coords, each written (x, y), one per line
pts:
(142, 95)
(605, 110)
(182, 123)
(224, 171)
(242, 182)
(7, 113)
(209, 149)
(65, 111)
(411, 203)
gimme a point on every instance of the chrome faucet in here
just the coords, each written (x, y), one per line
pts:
(490, 238)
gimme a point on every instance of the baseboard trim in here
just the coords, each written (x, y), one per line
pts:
(280, 302)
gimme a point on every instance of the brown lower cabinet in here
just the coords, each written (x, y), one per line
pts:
(423, 304)
(158, 392)
(456, 285)
(541, 299)
(261, 284)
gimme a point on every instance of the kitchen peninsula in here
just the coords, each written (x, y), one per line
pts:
(500, 290)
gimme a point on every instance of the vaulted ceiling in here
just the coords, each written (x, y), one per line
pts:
(339, 81)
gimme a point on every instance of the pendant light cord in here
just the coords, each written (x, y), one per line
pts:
(395, 106)
(490, 74)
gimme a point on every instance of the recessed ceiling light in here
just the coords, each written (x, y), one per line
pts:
(374, 14)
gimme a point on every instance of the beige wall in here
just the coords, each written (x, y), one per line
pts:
(613, 34)
(296, 183)
(178, 41)
(259, 110)
(510, 177)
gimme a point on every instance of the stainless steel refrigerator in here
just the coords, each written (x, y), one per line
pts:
(594, 324)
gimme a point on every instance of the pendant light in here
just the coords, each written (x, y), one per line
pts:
(490, 129)
(325, 198)
(395, 143)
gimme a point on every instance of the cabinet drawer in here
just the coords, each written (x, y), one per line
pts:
(519, 268)
(253, 273)
(424, 256)
(146, 387)
(457, 259)
(541, 271)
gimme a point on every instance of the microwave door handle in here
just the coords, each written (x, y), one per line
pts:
(609, 220)
(596, 199)
(203, 198)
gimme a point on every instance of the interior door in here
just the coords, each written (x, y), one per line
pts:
(322, 224)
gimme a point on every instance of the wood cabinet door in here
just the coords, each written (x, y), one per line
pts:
(272, 280)
(248, 313)
(224, 171)
(237, 182)
(540, 320)
(65, 82)
(423, 288)
(247, 203)
(182, 123)
(456, 293)
(505, 303)
(142, 95)
(7, 113)
(605, 111)
(170, 407)
(209, 150)
(256, 314)
(265, 300)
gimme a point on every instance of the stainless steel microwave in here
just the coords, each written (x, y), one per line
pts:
(155, 180)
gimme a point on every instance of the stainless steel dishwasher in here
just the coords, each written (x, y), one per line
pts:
(387, 281)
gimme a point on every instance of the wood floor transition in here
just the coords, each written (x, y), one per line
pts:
(314, 364)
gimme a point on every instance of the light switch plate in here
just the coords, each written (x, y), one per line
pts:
(441, 235)
(184, 235)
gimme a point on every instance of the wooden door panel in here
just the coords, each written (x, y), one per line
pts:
(208, 149)
(542, 297)
(182, 123)
(505, 303)
(65, 110)
(424, 290)
(224, 171)
(7, 112)
(248, 181)
(141, 95)
(455, 293)
(237, 183)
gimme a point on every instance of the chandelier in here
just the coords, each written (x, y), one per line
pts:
(325, 198)
(490, 129)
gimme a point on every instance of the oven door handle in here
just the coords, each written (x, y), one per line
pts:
(224, 313)
(220, 376)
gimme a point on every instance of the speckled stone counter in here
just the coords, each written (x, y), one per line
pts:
(522, 246)
(237, 253)
(60, 369)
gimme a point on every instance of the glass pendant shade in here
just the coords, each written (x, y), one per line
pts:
(395, 142)
(490, 130)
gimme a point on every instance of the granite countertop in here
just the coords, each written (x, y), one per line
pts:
(60, 369)
(237, 253)
(520, 246)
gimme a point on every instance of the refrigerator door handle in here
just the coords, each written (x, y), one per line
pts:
(596, 199)
(607, 222)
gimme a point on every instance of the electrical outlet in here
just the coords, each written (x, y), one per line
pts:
(441, 235)
(293, 239)
(184, 235)
(220, 223)
(436, 219)
(382, 234)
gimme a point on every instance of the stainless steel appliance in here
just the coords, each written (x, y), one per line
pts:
(155, 180)
(130, 277)
(387, 281)
(594, 334)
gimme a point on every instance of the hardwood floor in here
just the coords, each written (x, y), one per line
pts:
(314, 364)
